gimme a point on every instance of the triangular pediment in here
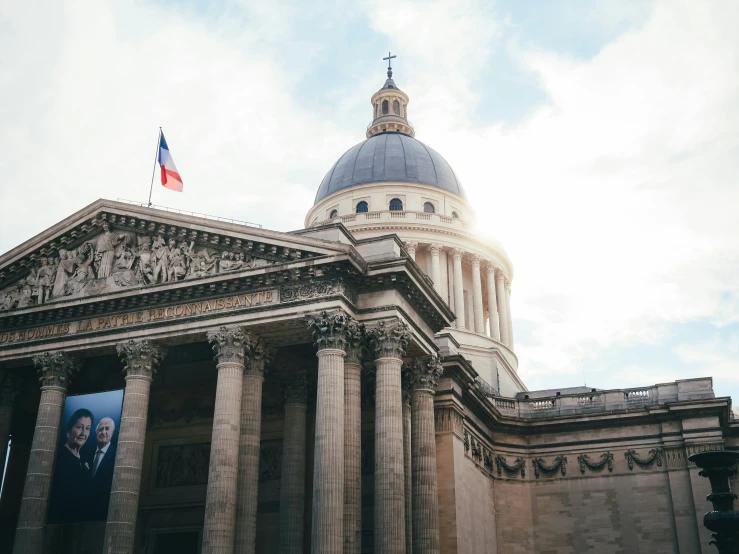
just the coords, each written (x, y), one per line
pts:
(113, 246)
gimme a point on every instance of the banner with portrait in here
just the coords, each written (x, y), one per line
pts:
(85, 458)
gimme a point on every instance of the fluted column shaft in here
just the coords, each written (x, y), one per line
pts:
(502, 307)
(477, 307)
(353, 442)
(423, 442)
(141, 358)
(407, 473)
(56, 369)
(328, 458)
(424, 487)
(328, 468)
(435, 250)
(250, 440)
(508, 315)
(492, 303)
(458, 289)
(292, 482)
(389, 341)
(220, 499)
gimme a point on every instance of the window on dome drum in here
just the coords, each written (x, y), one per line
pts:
(362, 207)
(396, 205)
(385, 107)
(334, 213)
(455, 215)
(428, 207)
(396, 107)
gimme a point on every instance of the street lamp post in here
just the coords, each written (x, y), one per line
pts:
(723, 521)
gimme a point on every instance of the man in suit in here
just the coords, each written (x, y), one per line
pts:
(102, 462)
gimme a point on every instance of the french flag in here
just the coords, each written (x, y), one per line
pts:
(170, 176)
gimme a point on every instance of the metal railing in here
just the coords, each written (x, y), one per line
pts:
(186, 212)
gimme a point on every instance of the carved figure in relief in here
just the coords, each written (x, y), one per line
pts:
(177, 262)
(25, 294)
(105, 250)
(145, 271)
(161, 260)
(43, 281)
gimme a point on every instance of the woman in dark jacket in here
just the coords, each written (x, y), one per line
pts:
(71, 473)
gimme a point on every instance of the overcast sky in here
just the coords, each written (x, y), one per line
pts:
(598, 140)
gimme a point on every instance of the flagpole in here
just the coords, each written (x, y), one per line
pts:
(154, 169)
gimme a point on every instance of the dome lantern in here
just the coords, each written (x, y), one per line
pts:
(389, 108)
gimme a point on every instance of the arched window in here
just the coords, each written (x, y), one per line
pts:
(396, 107)
(455, 215)
(396, 205)
(334, 213)
(362, 207)
(377, 111)
(385, 108)
(428, 207)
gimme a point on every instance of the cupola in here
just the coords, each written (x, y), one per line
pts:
(389, 105)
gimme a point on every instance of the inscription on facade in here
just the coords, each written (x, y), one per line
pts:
(177, 311)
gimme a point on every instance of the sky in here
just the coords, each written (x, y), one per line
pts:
(599, 141)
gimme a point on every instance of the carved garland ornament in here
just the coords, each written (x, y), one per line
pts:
(605, 459)
(655, 455)
(141, 357)
(518, 466)
(56, 369)
(560, 463)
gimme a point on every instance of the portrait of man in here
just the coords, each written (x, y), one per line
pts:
(101, 460)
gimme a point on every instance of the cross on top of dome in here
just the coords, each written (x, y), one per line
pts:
(389, 83)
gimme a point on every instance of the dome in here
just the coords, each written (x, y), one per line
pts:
(390, 157)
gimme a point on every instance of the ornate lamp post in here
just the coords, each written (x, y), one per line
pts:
(718, 466)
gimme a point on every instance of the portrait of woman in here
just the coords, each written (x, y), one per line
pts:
(71, 472)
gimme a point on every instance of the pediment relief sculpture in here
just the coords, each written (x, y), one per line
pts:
(117, 259)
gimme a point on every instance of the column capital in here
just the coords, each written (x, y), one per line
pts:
(435, 248)
(499, 276)
(476, 260)
(56, 369)
(410, 245)
(457, 254)
(406, 382)
(229, 344)
(490, 267)
(389, 338)
(329, 329)
(256, 355)
(356, 336)
(141, 357)
(10, 386)
(426, 373)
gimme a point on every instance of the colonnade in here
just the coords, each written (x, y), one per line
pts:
(497, 288)
(405, 495)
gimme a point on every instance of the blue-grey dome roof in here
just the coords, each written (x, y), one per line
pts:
(390, 157)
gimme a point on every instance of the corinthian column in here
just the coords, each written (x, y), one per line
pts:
(435, 250)
(492, 303)
(411, 247)
(353, 439)
(423, 442)
(458, 288)
(250, 440)
(292, 483)
(508, 314)
(9, 388)
(478, 309)
(220, 499)
(328, 467)
(406, 378)
(502, 307)
(140, 358)
(56, 370)
(389, 341)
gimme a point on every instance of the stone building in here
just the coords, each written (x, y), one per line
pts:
(349, 387)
